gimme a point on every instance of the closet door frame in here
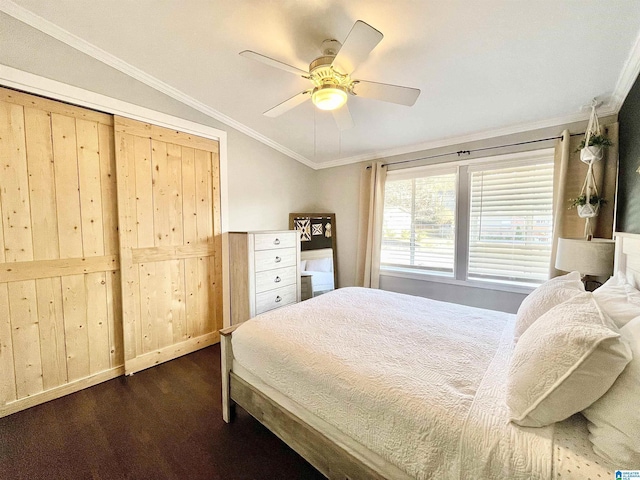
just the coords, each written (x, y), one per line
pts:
(70, 96)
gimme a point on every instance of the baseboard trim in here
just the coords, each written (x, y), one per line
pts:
(60, 391)
(140, 363)
(165, 354)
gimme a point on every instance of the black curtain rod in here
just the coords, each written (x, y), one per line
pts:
(469, 152)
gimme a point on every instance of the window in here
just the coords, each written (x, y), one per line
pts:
(510, 229)
(501, 232)
(419, 221)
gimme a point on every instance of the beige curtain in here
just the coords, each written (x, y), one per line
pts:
(560, 212)
(370, 226)
(569, 174)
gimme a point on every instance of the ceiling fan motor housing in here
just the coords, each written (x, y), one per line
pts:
(323, 61)
(322, 74)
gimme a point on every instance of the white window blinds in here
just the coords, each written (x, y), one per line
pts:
(511, 222)
(419, 221)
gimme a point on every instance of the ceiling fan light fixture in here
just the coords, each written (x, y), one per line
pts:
(329, 98)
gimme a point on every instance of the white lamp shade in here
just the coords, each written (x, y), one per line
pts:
(594, 257)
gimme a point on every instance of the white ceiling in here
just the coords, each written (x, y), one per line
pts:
(483, 66)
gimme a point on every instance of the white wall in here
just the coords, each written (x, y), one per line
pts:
(339, 192)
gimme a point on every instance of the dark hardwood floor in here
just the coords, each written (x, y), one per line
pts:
(164, 422)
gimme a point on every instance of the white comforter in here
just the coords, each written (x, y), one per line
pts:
(417, 381)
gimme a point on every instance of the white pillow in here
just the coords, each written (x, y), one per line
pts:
(614, 420)
(618, 300)
(303, 265)
(564, 362)
(320, 265)
(545, 297)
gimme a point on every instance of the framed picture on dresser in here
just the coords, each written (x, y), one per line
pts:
(318, 248)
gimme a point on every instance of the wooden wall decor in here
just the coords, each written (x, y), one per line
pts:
(60, 314)
(170, 242)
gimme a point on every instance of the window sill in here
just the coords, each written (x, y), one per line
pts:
(448, 279)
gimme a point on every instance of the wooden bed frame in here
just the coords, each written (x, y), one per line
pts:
(333, 453)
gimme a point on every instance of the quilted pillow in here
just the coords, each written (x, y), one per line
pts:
(545, 297)
(619, 300)
(614, 420)
(564, 362)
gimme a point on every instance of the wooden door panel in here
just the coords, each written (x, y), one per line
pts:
(25, 335)
(66, 186)
(52, 345)
(169, 248)
(42, 197)
(59, 305)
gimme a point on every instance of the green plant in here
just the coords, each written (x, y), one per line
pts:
(596, 141)
(582, 200)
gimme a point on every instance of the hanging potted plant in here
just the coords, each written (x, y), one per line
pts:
(594, 150)
(588, 207)
(593, 143)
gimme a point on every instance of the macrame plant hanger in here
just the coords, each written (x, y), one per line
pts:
(590, 187)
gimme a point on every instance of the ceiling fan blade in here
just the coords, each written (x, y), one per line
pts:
(288, 104)
(343, 118)
(361, 40)
(273, 63)
(387, 93)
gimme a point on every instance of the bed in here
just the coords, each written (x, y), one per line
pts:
(437, 410)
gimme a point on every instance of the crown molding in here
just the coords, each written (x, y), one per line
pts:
(45, 26)
(472, 137)
(627, 77)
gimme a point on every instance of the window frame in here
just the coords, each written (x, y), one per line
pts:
(429, 171)
(463, 218)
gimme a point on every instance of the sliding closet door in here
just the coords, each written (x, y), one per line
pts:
(60, 316)
(170, 243)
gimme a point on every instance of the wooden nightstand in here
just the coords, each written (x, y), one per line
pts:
(306, 286)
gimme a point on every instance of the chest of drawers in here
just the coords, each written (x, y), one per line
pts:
(264, 272)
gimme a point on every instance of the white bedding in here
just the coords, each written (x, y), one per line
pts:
(419, 382)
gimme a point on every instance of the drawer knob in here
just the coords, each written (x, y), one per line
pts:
(276, 241)
(278, 259)
(277, 280)
(278, 299)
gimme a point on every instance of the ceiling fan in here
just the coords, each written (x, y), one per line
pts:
(330, 75)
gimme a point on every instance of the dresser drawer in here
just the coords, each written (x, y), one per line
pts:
(275, 298)
(270, 279)
(270, 259)
(266, 241)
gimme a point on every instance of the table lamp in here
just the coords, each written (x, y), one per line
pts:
(592, 258)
